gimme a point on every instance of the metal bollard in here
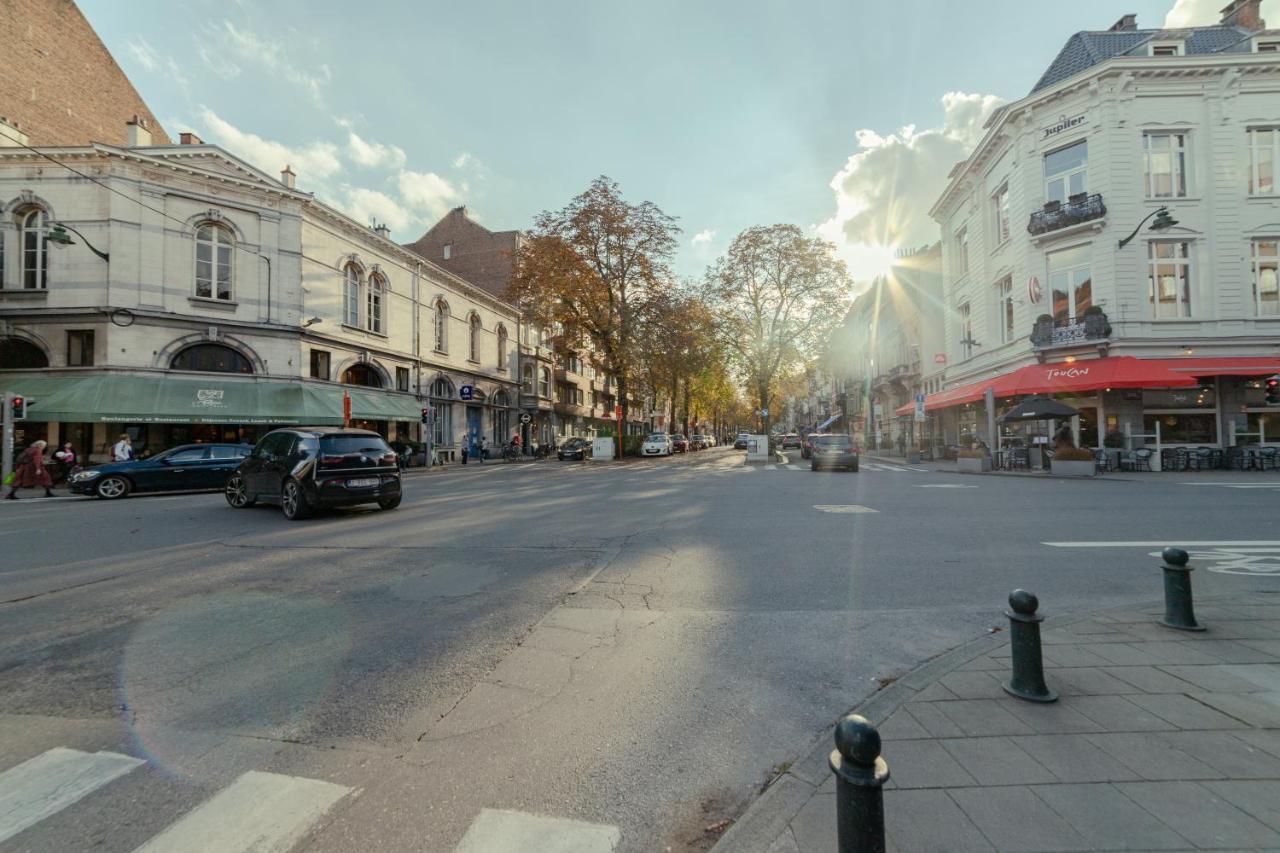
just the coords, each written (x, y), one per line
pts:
(1024, 647)
(1178, 612)
(860, 775)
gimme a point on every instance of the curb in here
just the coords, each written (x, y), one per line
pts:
(890, 460)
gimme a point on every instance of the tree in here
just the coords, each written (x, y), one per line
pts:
(592, 269)
(678, 342)
(778, 294)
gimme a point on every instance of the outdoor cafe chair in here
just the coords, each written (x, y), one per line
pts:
(1101, 461)
(1268, 458)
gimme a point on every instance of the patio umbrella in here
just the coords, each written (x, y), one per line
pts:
(1039, 409)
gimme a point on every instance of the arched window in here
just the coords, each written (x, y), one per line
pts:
(351, 295)
(442, 326)
(442, 393)
(211, 358)
(17, 354)
(526, 380)
(33, 268)
(442, 389)
(502, 347)
(473, 345)
(373, 314)
(544, 383)
(362, 374)
(502, 399)
(214, 262)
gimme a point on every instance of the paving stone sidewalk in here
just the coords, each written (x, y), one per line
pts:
(1161, 740)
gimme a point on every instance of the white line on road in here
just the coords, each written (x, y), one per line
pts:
(501, 831)
(1161, 544)
(943, 486)
(53, 780)
(843, 508)
(262, 812)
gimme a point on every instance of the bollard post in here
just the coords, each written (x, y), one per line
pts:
(860, 775)
(1024, 648)
(1178, 612)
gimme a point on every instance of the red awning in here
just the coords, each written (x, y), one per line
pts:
(1262, 366)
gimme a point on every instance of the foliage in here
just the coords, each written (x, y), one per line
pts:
(1072, 454)
(971, 453)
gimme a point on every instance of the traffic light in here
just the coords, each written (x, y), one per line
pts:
(19, 408)
(426, 414)
(1272, 388)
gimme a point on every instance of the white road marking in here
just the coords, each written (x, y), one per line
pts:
(1271, 486)
(501, 831)
(943, 486)
(843, 508)
(1177, 544)
(261, 812)
(53, 780)
(1236, 560)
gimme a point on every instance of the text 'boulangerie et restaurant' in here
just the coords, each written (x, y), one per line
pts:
(1123, 401)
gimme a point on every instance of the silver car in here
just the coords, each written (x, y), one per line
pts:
(832, 451)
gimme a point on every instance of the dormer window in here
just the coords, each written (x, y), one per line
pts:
(1167, 48)
(448, 251)
(1267, 45)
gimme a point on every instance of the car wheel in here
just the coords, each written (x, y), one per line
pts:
(390, 503)
(238, 493)
(293, 502)
(111, 488)
(854, 468)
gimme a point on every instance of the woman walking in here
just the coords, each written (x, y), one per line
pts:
(31, 472)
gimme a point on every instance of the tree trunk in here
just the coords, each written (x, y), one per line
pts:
(687, 394)
(620, 423)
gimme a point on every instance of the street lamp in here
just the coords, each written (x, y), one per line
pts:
(1163, 221)
(58, 236)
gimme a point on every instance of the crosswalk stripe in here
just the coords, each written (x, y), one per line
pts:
(53, 780)
(262, 812)
(502, 831)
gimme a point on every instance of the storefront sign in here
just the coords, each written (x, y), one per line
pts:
(1063, 124)
(939, 358)
(1034, 291)
(466, 392)
(209, 398)
(1069, 373)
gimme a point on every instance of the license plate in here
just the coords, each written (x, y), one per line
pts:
(362, 483)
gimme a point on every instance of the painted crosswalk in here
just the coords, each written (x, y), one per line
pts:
(53, 780)
(862, 466)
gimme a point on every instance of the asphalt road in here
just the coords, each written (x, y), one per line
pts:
(626, 651)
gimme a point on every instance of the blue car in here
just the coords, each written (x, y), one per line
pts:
(186, 468)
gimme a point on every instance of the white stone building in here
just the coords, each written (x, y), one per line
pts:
(1039, 295)
(228, 301)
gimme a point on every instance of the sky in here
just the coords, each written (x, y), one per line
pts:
(841, 116)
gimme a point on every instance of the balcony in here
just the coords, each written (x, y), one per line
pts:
(1080, 212)
(1093, 328)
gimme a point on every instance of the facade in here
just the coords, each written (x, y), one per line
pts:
(228, 301)
(1041, 295)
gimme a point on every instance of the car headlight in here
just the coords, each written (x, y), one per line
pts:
(85, 475)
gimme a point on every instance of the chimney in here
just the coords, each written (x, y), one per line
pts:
(189, 138)
(1127, 23)
(139, 133)
(382, 230)
(288, 178)
(11, 136)
(1244, 14)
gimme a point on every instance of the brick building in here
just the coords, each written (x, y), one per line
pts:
(58, 82)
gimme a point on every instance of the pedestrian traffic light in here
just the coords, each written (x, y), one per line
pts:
(426, 414)
(1272, 389)
(19, 408)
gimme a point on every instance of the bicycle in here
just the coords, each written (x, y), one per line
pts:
(510, 453)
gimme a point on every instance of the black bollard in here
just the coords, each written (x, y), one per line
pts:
(1178, 612)
(860, 775)
(1024, 647)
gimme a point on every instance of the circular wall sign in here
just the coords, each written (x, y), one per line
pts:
(1034, 292)
(122, 317)
(526, 418)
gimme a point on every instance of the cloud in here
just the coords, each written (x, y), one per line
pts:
(428, 194)
(374, 155)
(1199, 13)
(268, 52)
(885, 190)
(462, 160)
(217, 63)
(155, 62)
(704, 236)
(313, 161)
(367, 206)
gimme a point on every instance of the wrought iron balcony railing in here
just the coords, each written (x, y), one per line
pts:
(1057, 215)
(1092, 327)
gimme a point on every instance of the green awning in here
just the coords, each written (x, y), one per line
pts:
(377, 405)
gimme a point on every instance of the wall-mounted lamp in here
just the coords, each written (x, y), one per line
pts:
(312, 322)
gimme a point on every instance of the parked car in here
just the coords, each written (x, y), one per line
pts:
(740, 443)
(186, 468)
(657, 444)
(791, 439)
(679, 444)
(575, 448)
(711, 440)
(698, 442)
(832, 451)
(308, 468)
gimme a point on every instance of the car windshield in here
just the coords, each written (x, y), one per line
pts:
(656, 437)
(833, 441)
(350, 445)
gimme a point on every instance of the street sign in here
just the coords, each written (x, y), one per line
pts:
(764, 413)
(466, 392)
(526, 418)
(919, 407)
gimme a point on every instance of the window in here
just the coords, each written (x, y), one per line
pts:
(1070, 284)
(1164, 165)
(502, 347)
(526, 382)
(448, 251)
(442, 326)
(33, 270)
(320, 364)
(1263, 142)
(373, 314)
(222, 451)
(211, 358)
(442, 392)
(1004, 309)
(1266, 290)
(1266, 46)
(1066, 172)
(962, 252)
(351, 295)
(574, 364)
(966, 331)
(544, 383)
(80, 348)
(1000, 214)
(473, 341)
(17, 354)
(362, 374)
(1168, 48)
(213, 261)
(1169, 279)
(191, 454)
(402, 379)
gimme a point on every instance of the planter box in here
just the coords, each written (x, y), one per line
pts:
(913, 458)
(979, 465)
(1073, 468)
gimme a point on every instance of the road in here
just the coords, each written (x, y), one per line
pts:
(614, 654)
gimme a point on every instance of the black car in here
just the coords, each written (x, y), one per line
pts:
(307, 468)
(832, 451)
(740, 443)
(188, 467)
(574, 448)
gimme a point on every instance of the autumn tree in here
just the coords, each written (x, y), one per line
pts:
(678, 342)
(592, 269)
(778, 293)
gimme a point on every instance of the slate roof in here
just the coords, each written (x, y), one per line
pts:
(1087, 49)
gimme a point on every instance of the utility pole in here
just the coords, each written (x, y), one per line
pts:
(7, 467)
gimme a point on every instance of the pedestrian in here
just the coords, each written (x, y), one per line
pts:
(466, 446)
(66, 460)
(480, 449)
(31, 472)
(123, 449)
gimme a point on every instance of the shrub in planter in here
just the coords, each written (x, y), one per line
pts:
(971, 454)
(973, 461)
(1072, 454)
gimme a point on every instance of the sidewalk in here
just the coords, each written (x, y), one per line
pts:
(1161, 740)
